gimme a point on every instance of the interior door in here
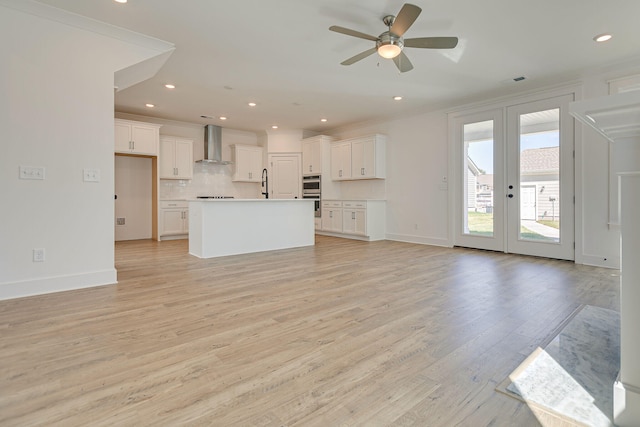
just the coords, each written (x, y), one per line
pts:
(514, 179)
(286, 176)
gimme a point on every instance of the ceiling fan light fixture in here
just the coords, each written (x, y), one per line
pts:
(389, 51)
(389, 46)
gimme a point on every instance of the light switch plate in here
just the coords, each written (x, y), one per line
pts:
(32, 172)
(91, 175)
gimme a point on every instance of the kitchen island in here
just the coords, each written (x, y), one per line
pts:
(220, 227)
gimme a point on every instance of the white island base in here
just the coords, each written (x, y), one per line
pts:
(221, 227)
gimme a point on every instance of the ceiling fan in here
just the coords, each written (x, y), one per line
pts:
(390, 43)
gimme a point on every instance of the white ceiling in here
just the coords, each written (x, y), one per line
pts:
(281, 55)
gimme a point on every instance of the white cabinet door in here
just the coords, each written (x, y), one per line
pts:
(184, 158)
(354, 221)
(145, 139)
(176, 158)
(172, 221)
(247, 162)
(332, 219)
(363, 154)
(332, 216)
(122, 137)
(312, 157)
(341, 161)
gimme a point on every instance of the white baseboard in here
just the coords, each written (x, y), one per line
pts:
(626, 405)
(420, 240)
(49, 285)
(599, 261)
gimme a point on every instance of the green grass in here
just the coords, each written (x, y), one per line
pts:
(481, 224)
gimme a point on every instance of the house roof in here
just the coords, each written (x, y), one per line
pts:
(540, 160)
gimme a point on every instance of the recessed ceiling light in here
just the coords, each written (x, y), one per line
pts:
(274, 127)
(602, 37)
(170, 86)
(323, 120)
(397, 98)
(150, 105)
(121, 1)
(223, 118)
(252, 104)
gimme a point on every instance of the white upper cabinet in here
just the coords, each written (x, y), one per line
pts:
(176, 158)
(359, 158)
(312, 156)
(136, 137)
(247, 161)
(340, 161)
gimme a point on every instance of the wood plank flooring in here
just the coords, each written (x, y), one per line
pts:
(345, 333)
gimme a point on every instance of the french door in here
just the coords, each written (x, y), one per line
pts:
(514, 179)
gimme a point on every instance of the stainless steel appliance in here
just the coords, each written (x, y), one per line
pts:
(311, 190)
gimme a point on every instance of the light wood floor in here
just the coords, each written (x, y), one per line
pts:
(341, 334)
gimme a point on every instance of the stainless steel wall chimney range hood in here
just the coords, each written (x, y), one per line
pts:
(213, 146)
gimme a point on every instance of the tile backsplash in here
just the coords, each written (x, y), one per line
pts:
(208, 180)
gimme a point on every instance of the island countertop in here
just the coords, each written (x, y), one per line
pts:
(220, 227)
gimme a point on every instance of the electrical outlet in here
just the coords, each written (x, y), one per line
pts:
(38, 255)
(120, 221)
(91, 175)
(32, 172)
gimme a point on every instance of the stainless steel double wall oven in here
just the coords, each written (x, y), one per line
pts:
(311, 190)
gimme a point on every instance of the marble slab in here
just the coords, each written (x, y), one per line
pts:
(574, 374)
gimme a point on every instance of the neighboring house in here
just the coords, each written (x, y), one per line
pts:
(472, 184)
(479, 188)
(540, 183)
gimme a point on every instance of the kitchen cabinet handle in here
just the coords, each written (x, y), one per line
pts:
(340, 172)
(133, 145)
(361, 171)
(330, 214)
(310, 168)
(353, 215)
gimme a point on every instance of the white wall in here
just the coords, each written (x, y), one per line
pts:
(416, 162)
(56, 111)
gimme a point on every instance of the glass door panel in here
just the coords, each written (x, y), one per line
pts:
(478, 176)
(540, 176)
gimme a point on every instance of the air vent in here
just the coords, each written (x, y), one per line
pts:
(519, 79)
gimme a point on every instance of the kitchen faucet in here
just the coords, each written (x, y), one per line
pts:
(265, 183)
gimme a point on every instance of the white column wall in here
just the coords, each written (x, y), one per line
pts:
(56, 112)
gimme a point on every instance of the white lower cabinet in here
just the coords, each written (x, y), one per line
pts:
(356, 219)
(332, 216)
(174, 219)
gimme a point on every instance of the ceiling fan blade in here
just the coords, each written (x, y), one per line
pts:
(403, 63)
(432, 42)
(405, 18)
(352, 33)
(359, 56)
